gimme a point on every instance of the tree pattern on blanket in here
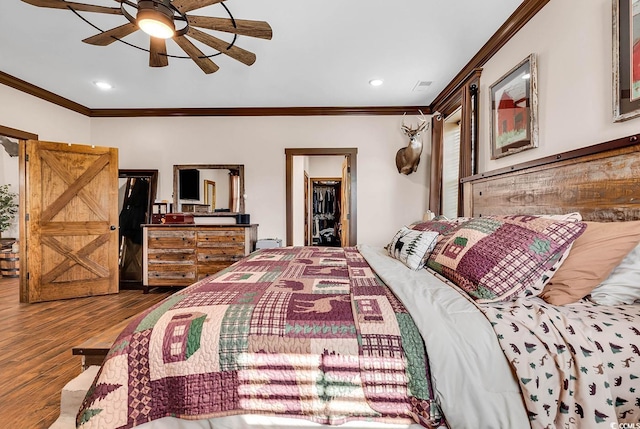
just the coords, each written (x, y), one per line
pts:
(574, 363)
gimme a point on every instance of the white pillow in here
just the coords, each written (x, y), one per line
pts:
(623, 284)
(412, 247)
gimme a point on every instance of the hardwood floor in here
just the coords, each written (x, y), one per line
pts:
(35, 347)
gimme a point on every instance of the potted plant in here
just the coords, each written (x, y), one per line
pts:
(8, 208)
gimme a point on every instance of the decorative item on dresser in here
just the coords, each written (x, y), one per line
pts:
(180, 254)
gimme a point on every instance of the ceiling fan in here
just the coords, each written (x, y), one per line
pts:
(158, 18)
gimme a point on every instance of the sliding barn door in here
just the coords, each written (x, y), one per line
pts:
(70, 197)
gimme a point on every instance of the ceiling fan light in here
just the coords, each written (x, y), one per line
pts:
(156, 21)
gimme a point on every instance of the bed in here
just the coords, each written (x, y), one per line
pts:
(367, 338)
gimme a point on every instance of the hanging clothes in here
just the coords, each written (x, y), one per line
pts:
(134, 210)
(326, 213)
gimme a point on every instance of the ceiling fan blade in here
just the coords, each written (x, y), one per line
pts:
(196, 55)
(158, 52)
(108, 37)
(243, 27)
(234, 52)
(61, 4)
(185, 6)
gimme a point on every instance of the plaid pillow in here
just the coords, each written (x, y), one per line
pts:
(412, 247)
(497, 258)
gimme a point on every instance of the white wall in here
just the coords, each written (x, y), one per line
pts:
(325, 166)
(9, 175)
(297, 200)
(573, 42)
(386, 199)
(49, 121)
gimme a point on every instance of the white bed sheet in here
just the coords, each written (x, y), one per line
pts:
(472, 378)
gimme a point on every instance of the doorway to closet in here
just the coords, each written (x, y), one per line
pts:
(321, 196)
(323, 226)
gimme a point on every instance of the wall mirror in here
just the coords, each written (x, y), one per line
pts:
(208, 189)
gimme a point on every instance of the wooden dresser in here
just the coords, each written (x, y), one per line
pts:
(179, 255)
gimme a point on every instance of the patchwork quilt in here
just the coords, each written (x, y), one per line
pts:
(305, 332)
(578, 365)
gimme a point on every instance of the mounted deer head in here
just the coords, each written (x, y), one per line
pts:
(408, 158)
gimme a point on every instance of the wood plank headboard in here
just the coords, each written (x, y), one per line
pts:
(602, 182)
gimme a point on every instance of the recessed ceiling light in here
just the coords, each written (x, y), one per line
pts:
(103, 85)
(376, 82)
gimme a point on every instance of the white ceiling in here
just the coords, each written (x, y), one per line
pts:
(323, 54)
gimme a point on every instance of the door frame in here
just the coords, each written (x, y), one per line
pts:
(152, 176)
(352, 163)
(312, 181)
(22, 137)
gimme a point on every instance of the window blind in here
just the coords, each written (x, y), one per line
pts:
(450, 169)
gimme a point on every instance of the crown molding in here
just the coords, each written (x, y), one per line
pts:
(43, 94)
(258, 111)
(527, 10)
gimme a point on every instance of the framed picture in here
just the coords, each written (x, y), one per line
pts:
(626, 59)
(514, 110)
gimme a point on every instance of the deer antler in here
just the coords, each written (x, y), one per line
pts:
(410, 131)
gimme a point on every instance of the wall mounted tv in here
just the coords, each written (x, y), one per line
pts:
(189, 184)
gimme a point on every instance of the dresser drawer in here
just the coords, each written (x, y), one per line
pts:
(227, 253)
(171, 239)
(169, 275)
(220, 238)
(171, 256)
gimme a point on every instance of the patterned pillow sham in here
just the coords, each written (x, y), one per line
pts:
(558, 260)
(498, 258)
(412, 247)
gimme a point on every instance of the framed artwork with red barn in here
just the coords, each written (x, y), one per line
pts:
(514, 110)
(626, 59)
